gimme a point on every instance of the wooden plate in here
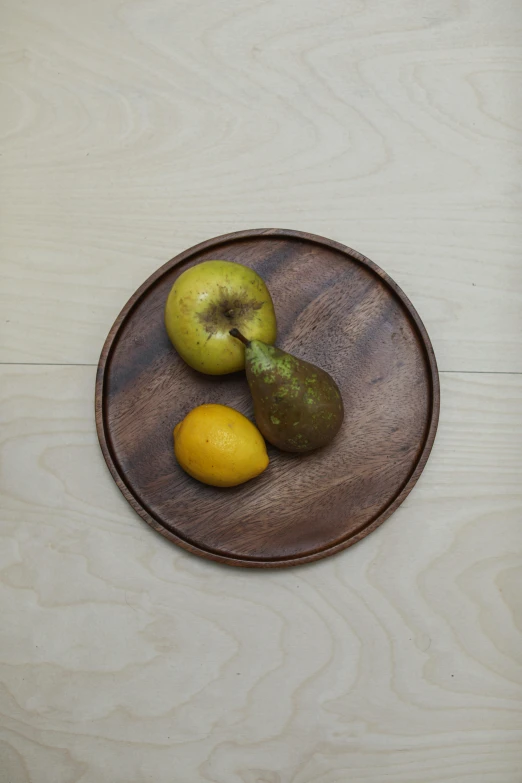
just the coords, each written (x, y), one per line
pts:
(335, 308)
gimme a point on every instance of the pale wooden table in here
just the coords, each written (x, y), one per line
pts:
(131, 130)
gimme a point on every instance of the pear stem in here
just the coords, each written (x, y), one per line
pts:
(237, 334)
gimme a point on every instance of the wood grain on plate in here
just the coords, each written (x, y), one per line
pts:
(336, 309)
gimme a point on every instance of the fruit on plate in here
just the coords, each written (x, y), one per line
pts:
(206, 302)
(297, 406)
(219, 446)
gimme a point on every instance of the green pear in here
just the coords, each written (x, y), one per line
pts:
(297, 406)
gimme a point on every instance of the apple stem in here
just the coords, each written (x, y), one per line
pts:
(237, 334)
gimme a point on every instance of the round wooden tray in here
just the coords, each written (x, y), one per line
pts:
(334, 308)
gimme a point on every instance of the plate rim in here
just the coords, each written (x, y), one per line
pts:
(290, 561)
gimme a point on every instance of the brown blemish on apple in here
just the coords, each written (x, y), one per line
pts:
(230, 310)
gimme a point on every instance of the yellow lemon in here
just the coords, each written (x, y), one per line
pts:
(218, 445)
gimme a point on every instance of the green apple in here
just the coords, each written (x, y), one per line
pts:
(206, 302)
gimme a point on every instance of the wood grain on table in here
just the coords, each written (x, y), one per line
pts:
(130, 131)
